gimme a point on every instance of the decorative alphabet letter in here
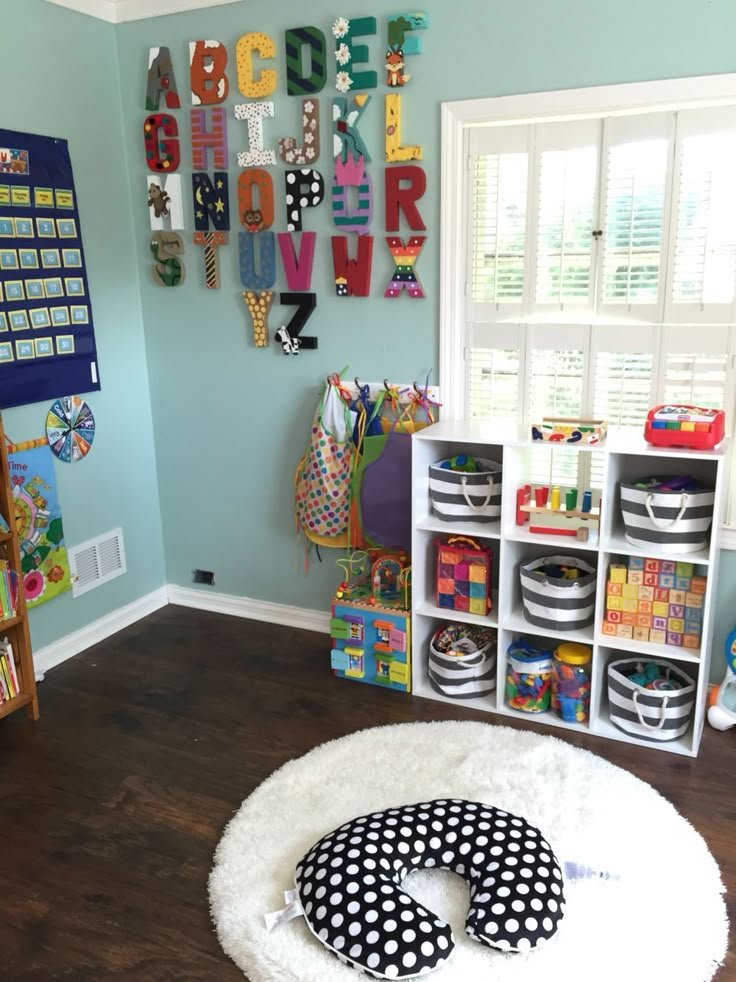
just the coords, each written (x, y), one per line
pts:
(255, 217)
(168, 269)
(305, 188)
(308, 153)
(347, 218)
(253, 113)
(207, 62)
(162, 155)
(348, 53)
(347, 144)
(404, 198)
(399, 45)
(298, 269)
(258, 304)
(296, 82)
(290, 333)
(211, 242)
(405, 257)
(165, 203)
(211, 201)
(202, 138)
(394, 151)
(161, 79)
(249, 85)
(352, 276)
(264, 277)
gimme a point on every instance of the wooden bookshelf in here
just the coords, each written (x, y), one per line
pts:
(15, 628)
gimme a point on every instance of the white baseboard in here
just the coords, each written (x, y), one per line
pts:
(72, 644)
(257, 610)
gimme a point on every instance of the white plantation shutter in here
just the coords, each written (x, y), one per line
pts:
(499, 227)
(637, 161)
(568, 174)
(704, 254)
(493, 385)
(695, 368)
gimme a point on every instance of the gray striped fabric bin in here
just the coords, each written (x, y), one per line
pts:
(649, 714)
(674, 521)
(463, 676)
(460, 497)
(562, 605)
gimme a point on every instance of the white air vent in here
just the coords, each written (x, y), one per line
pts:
(95, 562)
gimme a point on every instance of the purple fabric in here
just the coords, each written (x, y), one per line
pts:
(385, 494)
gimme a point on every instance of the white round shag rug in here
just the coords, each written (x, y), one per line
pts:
(663, 917)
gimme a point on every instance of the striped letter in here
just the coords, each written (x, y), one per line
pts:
(211, 242)
(296, 82)
(202, 139)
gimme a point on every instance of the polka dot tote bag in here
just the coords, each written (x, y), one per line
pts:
(324, 472)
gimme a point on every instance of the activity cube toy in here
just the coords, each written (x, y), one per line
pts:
(371, 644)
(463, 575)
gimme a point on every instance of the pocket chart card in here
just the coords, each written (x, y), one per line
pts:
(47, 339)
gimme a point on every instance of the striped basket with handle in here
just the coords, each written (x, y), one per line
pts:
(460, 496)
(462, 676)
(555, 603)
(674, 521)
(650, 714)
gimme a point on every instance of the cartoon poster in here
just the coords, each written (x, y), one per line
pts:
(47, 339)
(44, 561)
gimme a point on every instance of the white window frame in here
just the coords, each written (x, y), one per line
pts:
(457, 117)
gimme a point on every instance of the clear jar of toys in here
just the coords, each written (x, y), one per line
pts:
(528, 677)
(571, 682)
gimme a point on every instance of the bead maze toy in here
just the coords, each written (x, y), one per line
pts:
(371, 620)
(548, 502)
(685, 426)
(722, 701)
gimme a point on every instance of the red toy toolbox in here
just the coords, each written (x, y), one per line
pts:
(685, 426)
(463, 575)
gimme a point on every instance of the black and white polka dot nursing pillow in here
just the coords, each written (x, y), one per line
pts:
(349, 885)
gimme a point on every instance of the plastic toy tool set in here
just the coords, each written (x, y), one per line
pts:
(554, 503)
(371, 620)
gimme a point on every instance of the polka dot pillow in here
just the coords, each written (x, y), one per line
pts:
(349, 885)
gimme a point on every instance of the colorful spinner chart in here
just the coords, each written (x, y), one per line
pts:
(70, 428)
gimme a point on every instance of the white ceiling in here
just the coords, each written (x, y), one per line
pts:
(117, 11)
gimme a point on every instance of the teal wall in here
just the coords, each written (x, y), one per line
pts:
(58, 75)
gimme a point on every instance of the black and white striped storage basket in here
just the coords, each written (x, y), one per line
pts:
(650, 714)
(674, 521)
(457, 496)
(463, 676)
(562, 605)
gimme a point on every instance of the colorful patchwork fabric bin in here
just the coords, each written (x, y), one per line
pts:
(463, 575)
(674, 521)
(558, 603)
(650, 714)
(459, 496)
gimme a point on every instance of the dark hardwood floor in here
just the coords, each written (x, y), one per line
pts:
(111, 806)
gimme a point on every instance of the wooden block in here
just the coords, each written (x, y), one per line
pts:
(662, 595)
(682, 583)
(613, 616)
(684, 569)
(641, 634)
(651, 579)
(657, 637)
(651, 565)
(667, 566)
(694, 614)
(636, 562)
(625, 631)
(630, 604)
(646, 593)
(645, 607)
(614, 603)
(617, 573)
(628, 618)
(677, 597)
(698, 584)
(690, 641)
(630, 591)
(676, 610)
(636, 576)
(607, 627)
(675, 639)
(643, 621)
(676, 625)
(693, 627)
(660, 609)
(659, 623)
(614, 589)
(693, 599)
(666, 580)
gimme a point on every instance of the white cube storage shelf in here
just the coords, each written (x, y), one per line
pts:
(617, 459)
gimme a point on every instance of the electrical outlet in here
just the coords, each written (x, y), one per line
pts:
(204, 576)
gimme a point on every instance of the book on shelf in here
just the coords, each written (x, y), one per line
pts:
(8, 593)
(4, 527)
(9, 683)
